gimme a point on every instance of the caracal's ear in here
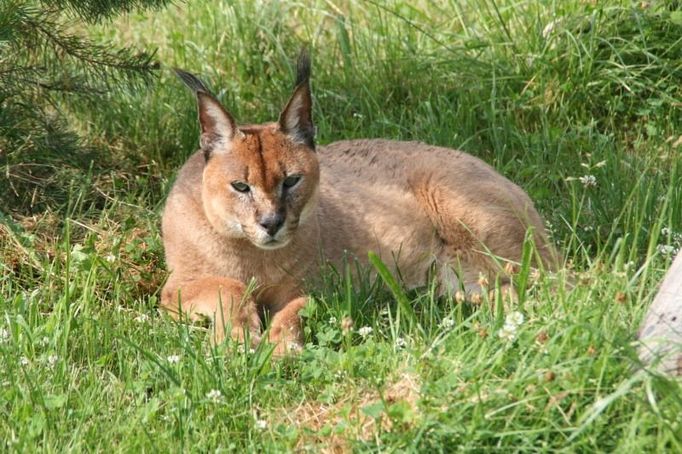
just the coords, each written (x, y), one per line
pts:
(296, 119)
(218, 127)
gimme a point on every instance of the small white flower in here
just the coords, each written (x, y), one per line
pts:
(141, 318)
(507, 333)
(589, 181)
(214, 395)
(24, 361)
(665, 231)
(244, 349)
(447, 323)
(261, 424)
(52, 360)
(365, 331)
(666, 249)
(4, 334)
(173, 359)
(77, 254)
(514, 319)
(44, 341)
(111, 258)
(332, 320)
(294, 346)
(400, 343)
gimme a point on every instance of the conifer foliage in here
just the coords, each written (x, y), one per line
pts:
(43, 59)
(40, 51)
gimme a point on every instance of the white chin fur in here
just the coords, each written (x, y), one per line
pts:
(271, 245)
(262, 240)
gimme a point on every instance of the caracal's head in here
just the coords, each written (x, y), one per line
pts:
(259, 182)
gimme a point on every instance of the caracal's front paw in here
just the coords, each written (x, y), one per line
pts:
(285, 329)
(288, 339)
(239, 334)
(287, 348)
(245, 328)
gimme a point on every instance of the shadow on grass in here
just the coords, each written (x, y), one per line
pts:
(42, 163)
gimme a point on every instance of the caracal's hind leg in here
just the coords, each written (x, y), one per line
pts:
(482, 222)
(222, 300)
(479, 234)
(468, 282)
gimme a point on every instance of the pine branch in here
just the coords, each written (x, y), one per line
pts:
(41, 43)
(41, 59)
(98, 10)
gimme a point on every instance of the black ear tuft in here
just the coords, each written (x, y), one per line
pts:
(192, 81)
(218, 127)
(296, 119)
(302, 67)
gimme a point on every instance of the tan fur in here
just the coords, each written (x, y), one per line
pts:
(419, 207)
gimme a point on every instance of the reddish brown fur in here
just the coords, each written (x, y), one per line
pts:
(416, 205)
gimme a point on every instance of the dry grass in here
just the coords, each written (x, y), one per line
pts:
(335, 427)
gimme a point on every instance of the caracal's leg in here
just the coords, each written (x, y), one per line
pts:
(285, 327)
(221, 299)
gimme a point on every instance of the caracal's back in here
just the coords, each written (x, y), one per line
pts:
(419, 205)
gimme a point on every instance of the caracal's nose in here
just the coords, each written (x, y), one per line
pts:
(272, 223)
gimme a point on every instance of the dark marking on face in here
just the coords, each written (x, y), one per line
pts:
(259, 153)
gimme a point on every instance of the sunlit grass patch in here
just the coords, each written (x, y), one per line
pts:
(578, 102)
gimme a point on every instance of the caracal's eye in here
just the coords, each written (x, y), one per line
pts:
(240, 186)
(291, 181)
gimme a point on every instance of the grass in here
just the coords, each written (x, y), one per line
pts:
(547, 92)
